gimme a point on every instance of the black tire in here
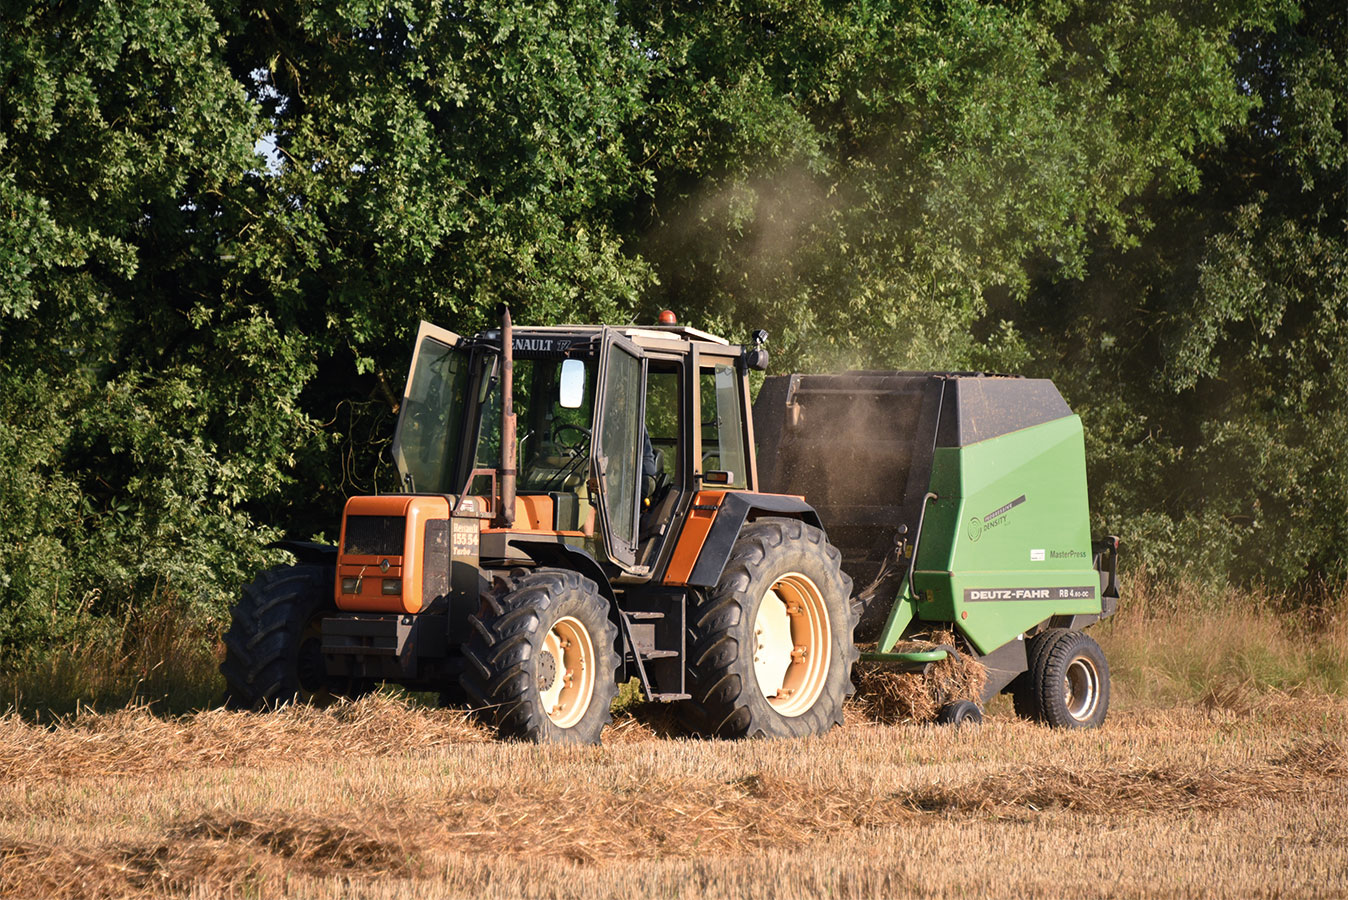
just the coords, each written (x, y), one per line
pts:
(1072, 682)
(272, 647)
(452, 697)
(961, 712)
(727, 700)
(1024, 696)
(1046, 692)
(507, 659)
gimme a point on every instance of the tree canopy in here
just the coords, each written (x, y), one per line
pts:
(220, 223)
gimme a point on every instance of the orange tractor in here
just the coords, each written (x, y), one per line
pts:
(582, 507)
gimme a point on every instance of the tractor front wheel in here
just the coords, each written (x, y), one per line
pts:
(770, 648)
(542, 660)
(273, 648)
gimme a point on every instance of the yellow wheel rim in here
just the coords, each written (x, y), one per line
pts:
(792, 644)
(566, 686)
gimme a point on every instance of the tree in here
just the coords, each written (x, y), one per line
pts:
(123, 132)
(861, 179)
(434, 159)
(1210, 360)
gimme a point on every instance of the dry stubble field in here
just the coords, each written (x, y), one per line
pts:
(383, 799)
(1240, 791)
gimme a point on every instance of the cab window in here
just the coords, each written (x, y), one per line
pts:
(722, 424)
(662, 420)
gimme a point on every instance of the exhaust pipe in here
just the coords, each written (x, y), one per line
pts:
(505, 516)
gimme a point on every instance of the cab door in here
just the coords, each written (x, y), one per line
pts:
(616, 448)
(429, 436)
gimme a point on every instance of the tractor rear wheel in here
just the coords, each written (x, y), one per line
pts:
(770, 648)
(273, 645)
(542, 660)
(1067, 683)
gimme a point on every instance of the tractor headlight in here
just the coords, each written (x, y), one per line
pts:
(350, 585)
(393, 586)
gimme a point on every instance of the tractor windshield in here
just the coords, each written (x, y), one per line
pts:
(554, 441)
(449, 424)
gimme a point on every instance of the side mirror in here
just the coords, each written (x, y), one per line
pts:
(572, 387)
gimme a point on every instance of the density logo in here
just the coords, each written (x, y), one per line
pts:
(999, 513)
(997, 517)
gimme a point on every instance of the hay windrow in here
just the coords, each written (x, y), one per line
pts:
(1146, 789)
(215, 854)
(29, 870)
(134, 741)
(644, 722)
(666, 818)
(320, 843)
(756, 811)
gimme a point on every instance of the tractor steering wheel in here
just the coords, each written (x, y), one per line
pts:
(573, 448)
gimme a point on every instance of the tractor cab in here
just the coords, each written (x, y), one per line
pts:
(597, 456)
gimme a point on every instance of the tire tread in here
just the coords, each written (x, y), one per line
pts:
(500, 646)
(718, 706)
(265, 626)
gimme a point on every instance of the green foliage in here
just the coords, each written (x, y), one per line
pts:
(860, 178)
(219, 225)
(435, 159)
(1210, 359)
(124, 464)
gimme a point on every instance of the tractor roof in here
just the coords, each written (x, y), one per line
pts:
(653, 337)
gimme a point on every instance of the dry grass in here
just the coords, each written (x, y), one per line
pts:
(213, 852)
(1179, 644)
(385, 799)
(134, 741)
(1158, 788)
(165, 660)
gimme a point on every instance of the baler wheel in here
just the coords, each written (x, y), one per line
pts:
(1067, 684)
(770, 647)
(542, 660)
(272, 647)
(1024, 696)
(961, 712)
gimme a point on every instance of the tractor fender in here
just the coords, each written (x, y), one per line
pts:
(308, 552)
(736, 509)
(564, 556)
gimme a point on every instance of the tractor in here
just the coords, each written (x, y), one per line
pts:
(582, 506)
